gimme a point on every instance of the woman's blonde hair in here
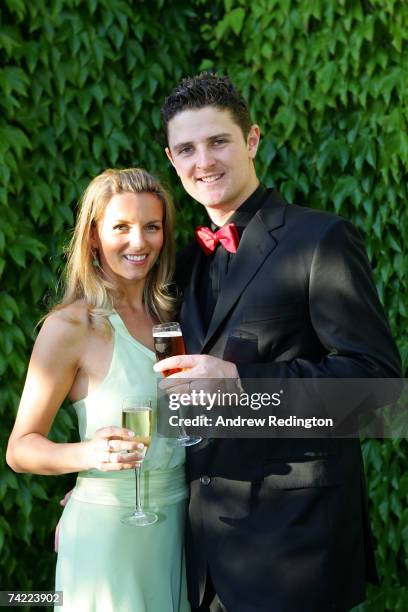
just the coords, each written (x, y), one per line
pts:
(85, 280)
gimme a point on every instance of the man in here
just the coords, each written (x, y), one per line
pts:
(274, 525)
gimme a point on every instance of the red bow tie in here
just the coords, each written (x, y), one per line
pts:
(227, 235)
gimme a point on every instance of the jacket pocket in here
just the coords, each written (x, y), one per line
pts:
(270, 312)
(241, 347)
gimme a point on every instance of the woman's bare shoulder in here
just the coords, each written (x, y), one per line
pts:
(69, 322)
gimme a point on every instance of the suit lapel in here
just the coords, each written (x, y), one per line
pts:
(256, 245)
(190, 316)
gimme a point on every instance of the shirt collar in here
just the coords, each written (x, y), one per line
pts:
(243, 215)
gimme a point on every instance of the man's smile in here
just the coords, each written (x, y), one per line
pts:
(211, 178)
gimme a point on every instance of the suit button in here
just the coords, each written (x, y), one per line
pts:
(205, 480)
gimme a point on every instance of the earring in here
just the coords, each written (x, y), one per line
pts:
(95, 259)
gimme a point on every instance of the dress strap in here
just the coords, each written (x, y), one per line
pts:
(120, 328)
(115, 320)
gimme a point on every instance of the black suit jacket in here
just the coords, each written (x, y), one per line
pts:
(282, 525)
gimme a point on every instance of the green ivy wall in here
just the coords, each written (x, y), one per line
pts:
(81, 82)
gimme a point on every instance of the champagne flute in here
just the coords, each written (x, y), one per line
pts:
(168, 341)
(137, 415)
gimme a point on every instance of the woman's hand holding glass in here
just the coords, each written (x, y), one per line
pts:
(113, 449)
(137, 412)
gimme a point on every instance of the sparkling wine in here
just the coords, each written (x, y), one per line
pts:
(137, 415)
(139, 420)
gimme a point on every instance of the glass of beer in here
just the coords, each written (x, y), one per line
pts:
(137, 415)
(168, 341)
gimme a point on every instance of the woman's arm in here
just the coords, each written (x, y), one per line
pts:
(54, 364)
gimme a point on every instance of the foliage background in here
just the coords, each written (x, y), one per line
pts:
(81, 85)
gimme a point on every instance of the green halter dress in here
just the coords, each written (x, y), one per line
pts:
(103, 565)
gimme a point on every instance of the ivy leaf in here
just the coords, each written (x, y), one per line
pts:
(233, 20)
(9, 39)
(17, 252)
(13, 79)
(343, 189)
(12, 137)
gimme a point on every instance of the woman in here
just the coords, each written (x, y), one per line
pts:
(96, 348)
